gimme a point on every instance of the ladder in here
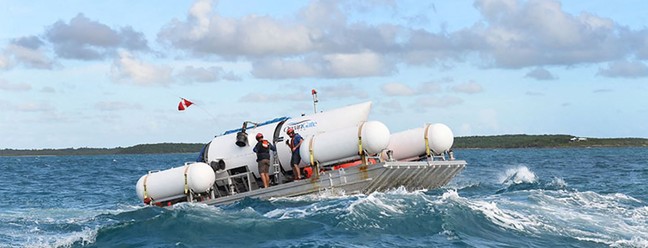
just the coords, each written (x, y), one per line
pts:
(276, 168)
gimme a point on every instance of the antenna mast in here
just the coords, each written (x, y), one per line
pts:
(314, 93)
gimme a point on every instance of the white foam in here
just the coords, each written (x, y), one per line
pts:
(509, 219)
(558, 182)
(302, 211)
(326, 194)
(602, 218)
(28, 233)
(450, 194)
(634, 242)
(85, 237)
(287, 213)
(518, 175)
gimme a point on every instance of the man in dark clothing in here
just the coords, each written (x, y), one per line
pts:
(294, 144)
(262, 149)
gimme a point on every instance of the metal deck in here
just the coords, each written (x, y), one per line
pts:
(361, 179)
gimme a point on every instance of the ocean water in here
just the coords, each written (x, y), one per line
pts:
(504, 198)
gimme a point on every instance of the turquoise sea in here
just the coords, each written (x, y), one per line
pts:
(581, 197)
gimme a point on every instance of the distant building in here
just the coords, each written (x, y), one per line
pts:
(577, 139)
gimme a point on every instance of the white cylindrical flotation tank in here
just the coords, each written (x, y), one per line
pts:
(223, 148)
(342, 145)
(170, 184)
(411, 144)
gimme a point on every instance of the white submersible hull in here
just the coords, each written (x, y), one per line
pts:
(341, 151)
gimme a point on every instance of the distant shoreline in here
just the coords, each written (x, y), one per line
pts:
(467, 142)
(544, 141)
(161, 148)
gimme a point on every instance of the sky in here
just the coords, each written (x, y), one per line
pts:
(77, 73)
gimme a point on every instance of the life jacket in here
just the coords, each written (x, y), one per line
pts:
(263, 150)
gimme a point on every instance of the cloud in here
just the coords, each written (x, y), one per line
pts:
(285, 68)
(85, 39)
(116, 105)
(48, 89)
(423, 103)
(397, 89)
(624, 69)
(541, 74)
(204, 32)
(602, 91)
(7, 86)
(524, 33)
(129, 69)
(361, 64)
(264, 97)
(348, 65)
(34, 107)
(468, 88)
(316, 44)
(4, 62)
(325, 40)
(297, 94)
(28, 51)
(343, 90)
(208, 74)
(429, 87)
(401, 89)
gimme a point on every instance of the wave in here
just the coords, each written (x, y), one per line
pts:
(518, 175)
(276, 222)
(614, 219)
(536, 217)
(51, 227)
(522, 178)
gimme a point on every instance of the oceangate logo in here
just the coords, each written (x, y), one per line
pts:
(300, 126)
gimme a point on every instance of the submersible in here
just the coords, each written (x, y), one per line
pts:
(341, 147)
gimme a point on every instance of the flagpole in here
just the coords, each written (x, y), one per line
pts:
(315, 101)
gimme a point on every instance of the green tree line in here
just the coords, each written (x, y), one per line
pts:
(530, 141)
(137, 149)
(499, 141)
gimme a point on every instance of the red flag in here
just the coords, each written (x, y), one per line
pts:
(184, 104)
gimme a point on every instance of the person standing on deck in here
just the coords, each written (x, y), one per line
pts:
(294, 144)
(262, 149)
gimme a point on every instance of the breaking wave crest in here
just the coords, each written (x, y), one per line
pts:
(421, 218)
(523, 178)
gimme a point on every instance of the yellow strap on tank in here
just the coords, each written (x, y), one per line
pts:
(360, 150)
(427, 142)
(310, 150)
(186, 185)
(145, 191)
